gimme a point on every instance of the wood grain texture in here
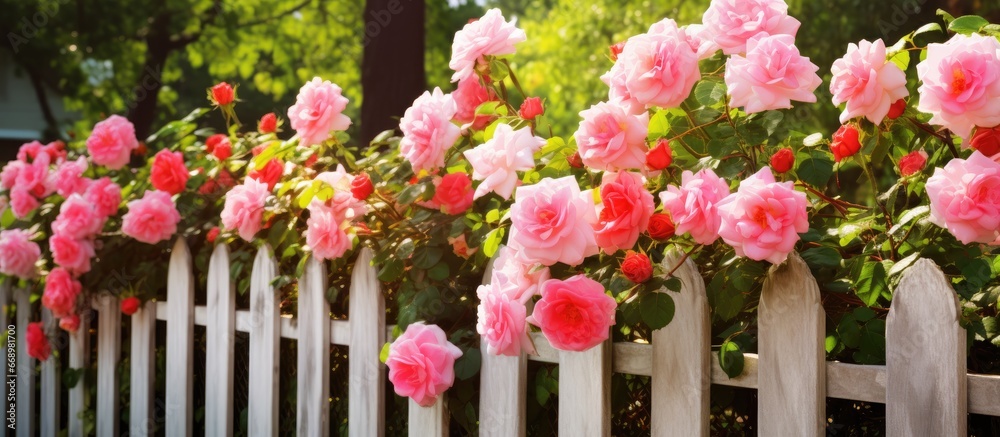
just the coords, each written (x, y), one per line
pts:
(50, 389)
(682, 358)
(792, 367)
(25, 376)
(925, 357)
(142, 376)
(220, 331)
(429, 421)
(585, 392)
(313, 406)
(180, 342)
(79, 347)
(109, 322)
(366, 411)
(262, 417)
(503, 390)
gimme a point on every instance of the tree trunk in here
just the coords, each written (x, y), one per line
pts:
(392, 70)
(142, 104)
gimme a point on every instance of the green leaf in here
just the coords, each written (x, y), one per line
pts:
(929, 27)
(468, 365)
(439, 272)
(731, 358)
(659, 127)
(383, 355)
(978, 272)
(901, 59)
(71, 377)
(967, 24)
(822, 257)
(657, 309)
(815, 171)
(492, 243)
(391, 270)
(427, 256)
(709, 92)
(872, 282)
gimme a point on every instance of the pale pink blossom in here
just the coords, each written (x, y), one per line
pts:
(965, 198)
(526, 278)
(428, 132)
(552, 221)
(77, 219)
(326, 233)
(701, 40)
(502, 319)
(867, 82)
(69, 177)
(490, 35)
(771, 75)
(318, 112)
(693, 207)
(112, 141)
(22, 202)
(244, 208)
(763, 219)
(421, 363)
(624, 211)
(18, 254)
(151, 219)
(961, 83)
(732, 23)
(105, 196)
(657, 68)
(611, 139)
(497, 161)
(575, 314)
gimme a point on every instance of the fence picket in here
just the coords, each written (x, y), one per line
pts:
(25, 367)
(925, 386)
(682, 358)
(79, 347)
(262, 417)
(429, 421)
(313, 415)
(143, 371)
(503, 389)
(50, 407)
(221, 339)
(108, 351)
(792, 366)
(366, 388)
(180, 342)
(585, 392)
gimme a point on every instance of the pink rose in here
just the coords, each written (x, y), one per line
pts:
(490, 35)
(34, 177)
(60, 293)
(771, 75)
(428, 131)
(318, 111)
(421, 363)
(326, 234)
(701, 40)
(8, 177)
(552, 221)
(70, 323)
(526, 278)
(112, 142)
(624, 211)
(105, 196)
(22, 202)
(611, 139)
(575, 314)
(151, 219)
(244, 208)
(29, 151)
(694, 206)
(18, 254)
(866, 82)
(77, 219)
(468, 96)
(961, 83)
(657, 68)
(497, 161)
(344, 204)
(71, 254)
(965, 198)
(734, 22)
(502, 320)
(168, 172)
(764, 218)
(69, 177)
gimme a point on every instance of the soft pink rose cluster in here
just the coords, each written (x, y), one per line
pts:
(552, 221)
(112, 141)
(961, 83)
(18, 254)
(497, 161)
(770, 75)
(428, 131)
(421, 363)
(965, 198)
(503, 304)
(318, 112)
(31, 179)
(866, 82)
(732, 23)
(329, 230)
(490, 35)
(763, 219)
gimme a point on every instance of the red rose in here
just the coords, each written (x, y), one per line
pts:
(212, 235)
(361, 186)
(660, 156)
(130, 305)
(223, 150)
(225, 180)
(268, 123)
(616, 50)
(783, 160)
(637, 267)
(912, 163)
(70, 323)
(169, 173)
(141, 150)
(454, 193)
(214, 141)
(845, 143)
(575, 160)
(897, 109)
(222, 94)
(531, 108)
(38, 343)
(270, 174)
(661, 227)
(986, 140)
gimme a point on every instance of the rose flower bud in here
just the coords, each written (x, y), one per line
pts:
(986, 141)
(222, 94)
(636, 267)
(783, 160)
(268, 123)
(575, 160)
(130, 305)
(845, 143)
(912, 163)
(660, 156)
(897, 109)
(531, 108)
(661, 227)
(361, 186)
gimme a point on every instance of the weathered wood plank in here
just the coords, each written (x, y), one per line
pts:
(503, 389)
(313, 414)
(265, 328)
(109, 324)
(79, 347)
(25, 378)
(366, 412)
(682, 358)
(585, 392)
(429, 421)
(792, 367)
(180, 342)
(50, 388)
(142, 376)
(925, 357)
(220, 344)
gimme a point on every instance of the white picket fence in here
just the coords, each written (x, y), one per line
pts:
(924, 382)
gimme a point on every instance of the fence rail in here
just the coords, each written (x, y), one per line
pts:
(924, 382)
